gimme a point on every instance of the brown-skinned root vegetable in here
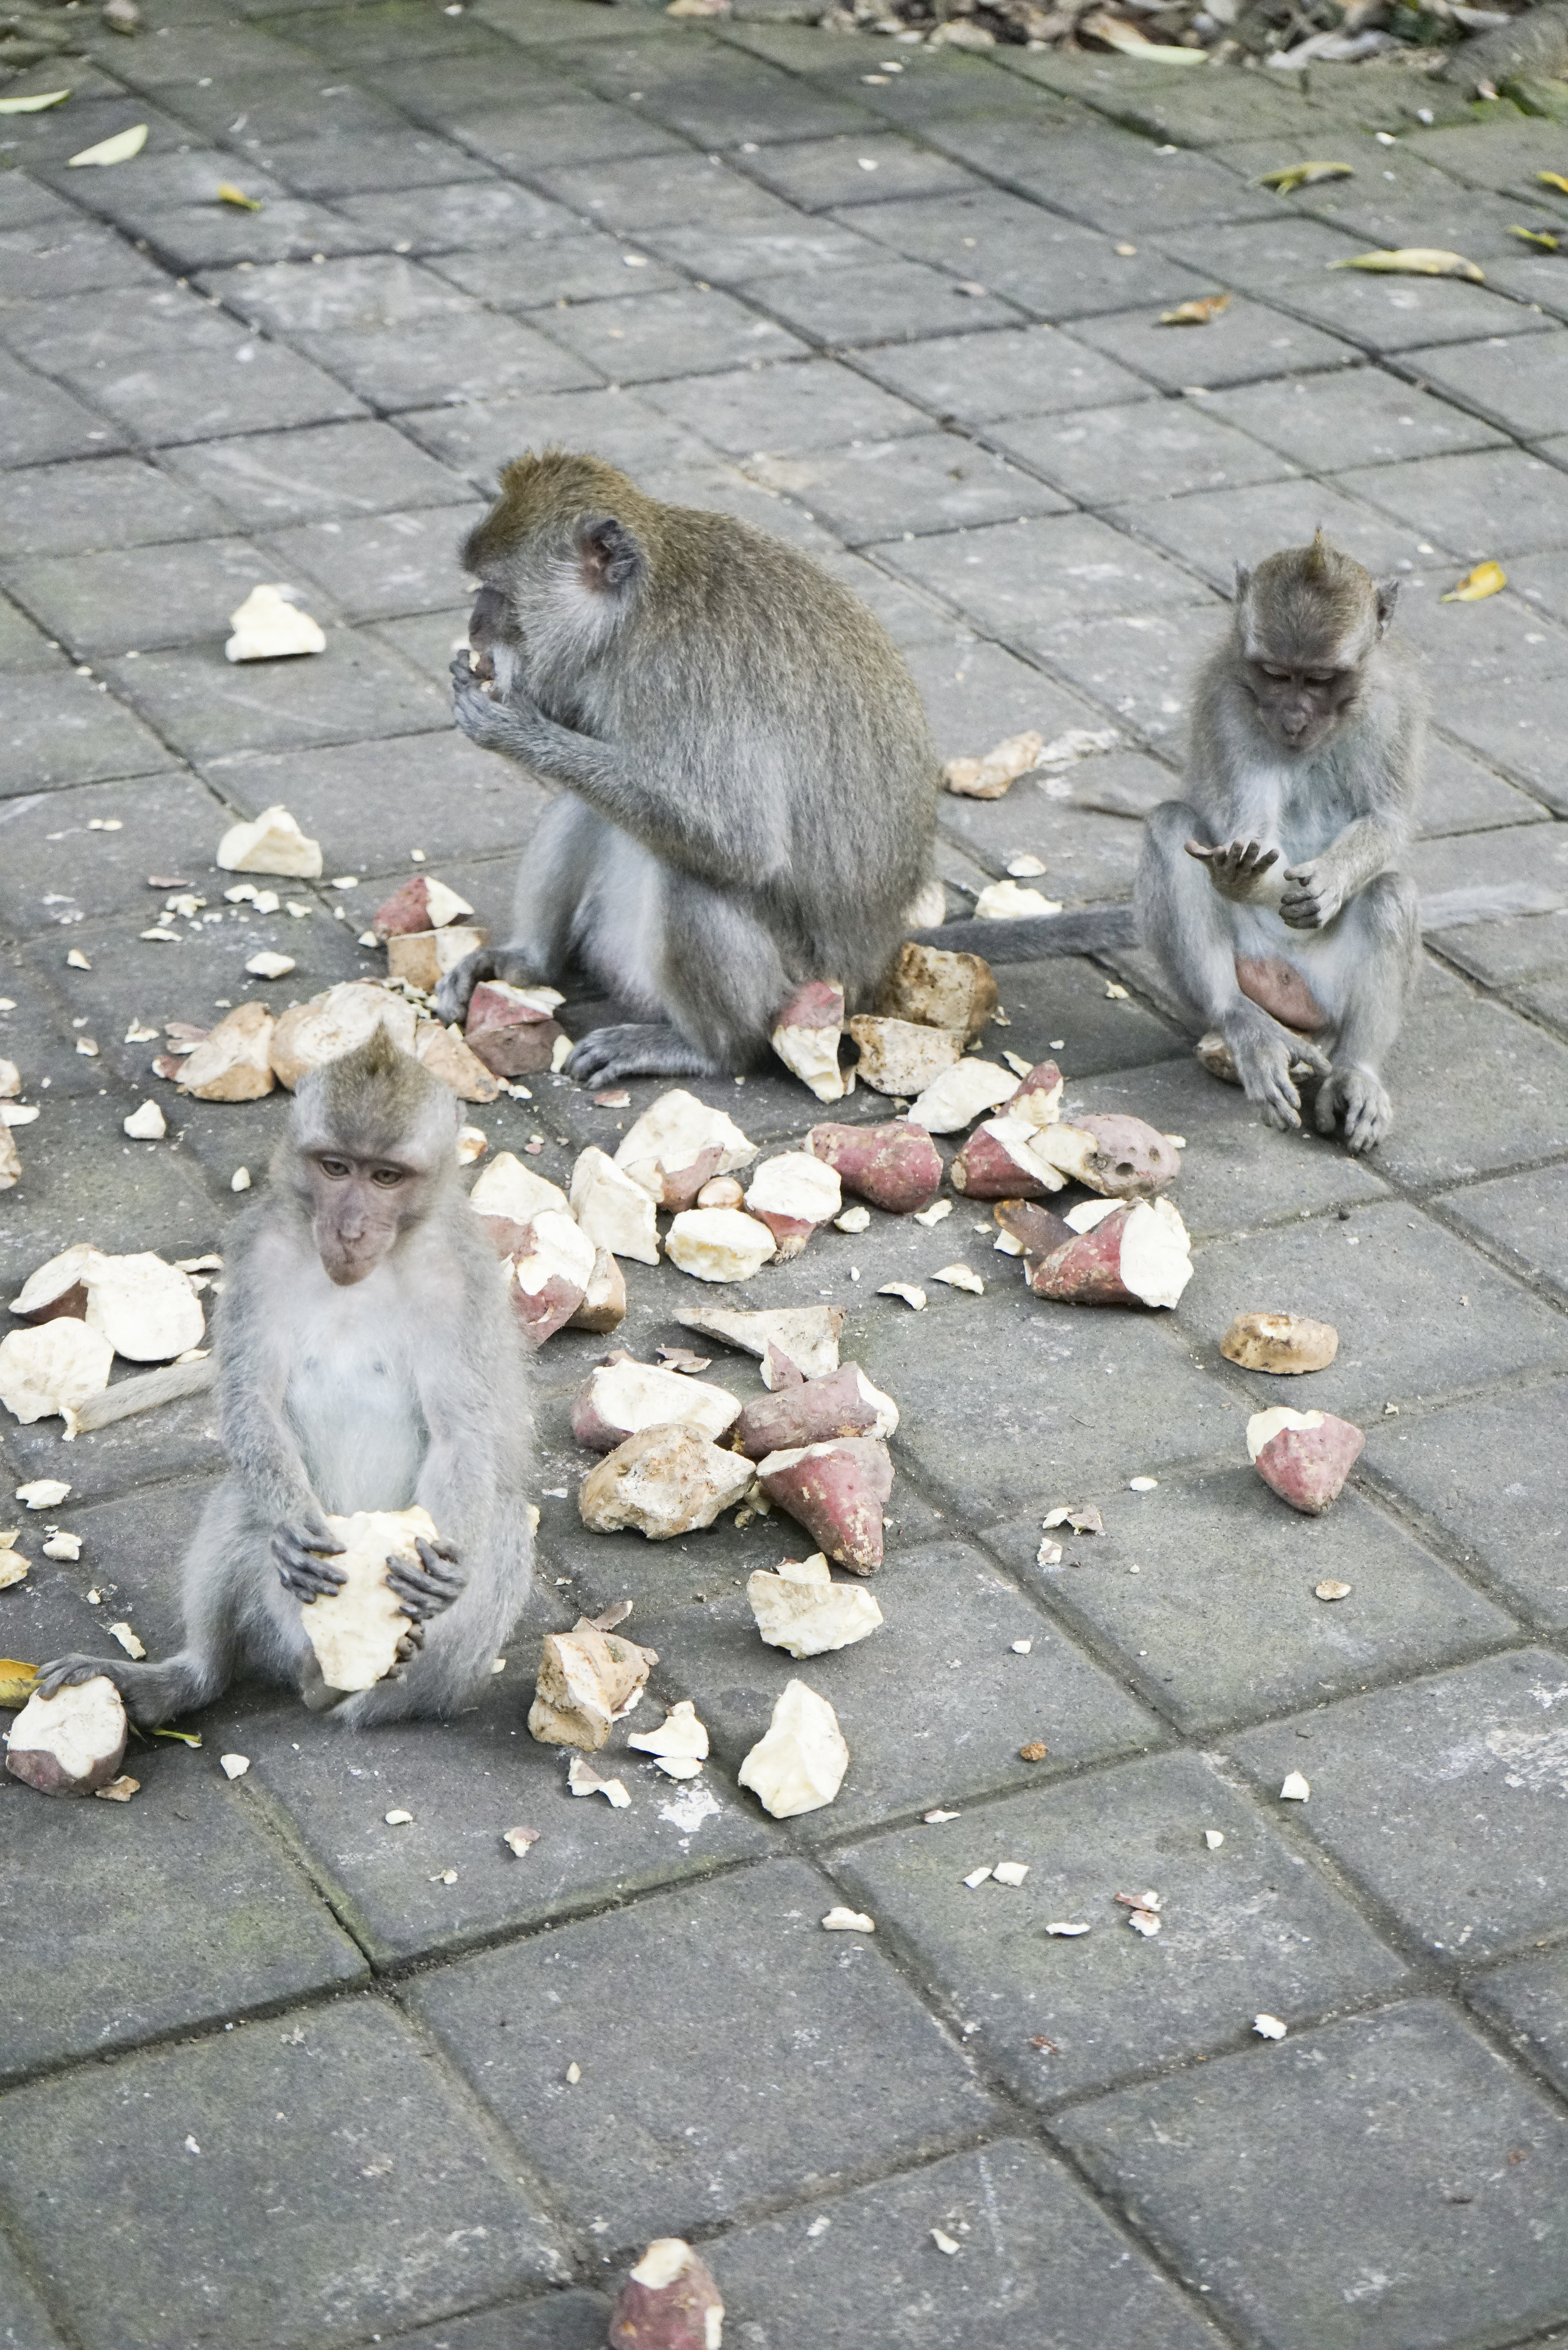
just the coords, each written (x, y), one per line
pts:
(423, 958)
(719, 1244)
(803, 1337)
(1284, 1344)
(895, 1167)
(56, 1288)
(355, 1632)
(423, 903)
(900, 1056)
(666, 1481)
(588, 1679)
(615, 1213)
(1137, 1256)
(670, 2301)
(836, 1491)
(813, 1411)
(53, 1366)
(1000, 1161)
(1038, 1101)
(677, 1145)
(799, 1765)
(1036, 1230)
(307, 1035)
(233, 1061)
(512, 1029)
(622, 1398)
(1305, 1456)
(604, 1300)
(801, 1609)
(72, 1743)
(1216, 1056)
(792, 1195)
(806, 1038)
(936, 989)
(960, 1095)
(508, 1192)
(444, 1054)
(550, 1275)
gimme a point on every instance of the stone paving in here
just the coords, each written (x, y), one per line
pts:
(270, 2080)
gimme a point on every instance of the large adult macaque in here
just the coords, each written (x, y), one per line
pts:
(750, 787)
(366, 1360)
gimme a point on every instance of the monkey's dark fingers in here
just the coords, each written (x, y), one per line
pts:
(69, 1672)
(440, 1548)
(1202, 850)
(410, 1644)
(425, 1592)
(1258, 859)
(301, 1571)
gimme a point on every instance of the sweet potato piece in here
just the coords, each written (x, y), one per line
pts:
(896, 1167)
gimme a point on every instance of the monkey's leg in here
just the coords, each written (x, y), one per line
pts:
(1375, 958)
(718, 975)
(556, 869)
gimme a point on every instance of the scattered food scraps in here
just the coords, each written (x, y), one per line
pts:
(934, 1213)
(1304, 1456)
(1214, 1838)
(801, 1609)
(1331, 1589)
(943, 2241)
(1486, 579)
(835, 1490)
(118, 150)
(55, 1366)
(1049, 1553)
(1035, 1750)
(961, 1277)
(1083, 1517)
(679, 1745)
(669, 2301)
(1144, 1921)
(1010, 1872)
(128, 1640)
(119, 1791)
(977, 1877)
(853, 1220)
(146, 1124)
(799, 1765)
(1294, 1789)
(227, 193)
(1415, 261)
(1268, 2027)
(582, 1779)
(896, 1168)
(1066, 1930)
(840, 1921)
(1025, 867)
(663, 1481)
(988, 777)
(625, 1397)
(588, 1678)
(935, 1819)
(1201, 312)
(267, 626)
(1022, 1647)
(1117, 1254)
(60, 1545)
(914, 1298)
(233, 1766)
(43, 1493)
(1142, 1484)
(520, 1841)
(719, 1244)
(1283, 1343)
(71, 1743)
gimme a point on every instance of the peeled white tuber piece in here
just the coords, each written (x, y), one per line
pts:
(444, 1054)
(664, 1481)
(988, 777)
(308, 1035)
(423, 903)
(622, 1398)
(939, 990)
(512, 1029)
(582, 1779)
(800, 1339)
(1281, 1343)
(615, 1213)
(1000, 1161)
(721, 1192)
(588, 1679)
(355, 1630)
(550, 1275)
(146, 1124)
(53, 1366)
(148, 1311)
(895, 1167)
(842, 1403)
(234, 1060)
(267, 626)
(718, 1243)
(56, 1286)
(43, 1492)
(792, 1195)
(901, 1057)
(10, 1160)
(1008, 902)
(1305, 1456)
(799, 1765)
(837, 1491)
(71, 1743)
(10, 1080)
(508, 1192)
(679, 1745)
(676, 1144)
(806, 1038)
(604, 1300)
(960, 1095)
(801, 1609)
(272, 843)
(1139, 1254)
(670, 2301)
(423, 958)
(1120, 1158)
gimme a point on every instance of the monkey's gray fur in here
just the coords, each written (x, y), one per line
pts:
(404, 1386)
(750, 787)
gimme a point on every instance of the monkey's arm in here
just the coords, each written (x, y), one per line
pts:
(1316, 890)
(262, 1449)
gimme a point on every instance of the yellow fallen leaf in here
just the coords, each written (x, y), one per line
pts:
(1305, 176)
(1541, 236)
(229, 194)
(1554, 179)
(1477, 585)
(15, 1681)
(118, 150)
(1415, 261)
(1201, 313)
(34, 105)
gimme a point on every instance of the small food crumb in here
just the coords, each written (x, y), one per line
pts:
(1329, 1589)
(127, 1639)
(1296, 1789)
(444, 1876)
(1213, 1839)
(1142, 1484)
(977, 1877)
(233, 1766)
(240, 1181)
(399, 1819)
(1036, 1752)
(1065, 1929)
(1268, 2027)
(840, 1921)
(518, 1840)
(1010, 1872)
(935, 1819)
(573, 2072)
(1022, 1648)
(943, 2242)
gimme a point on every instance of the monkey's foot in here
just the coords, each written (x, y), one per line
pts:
(636, 1049)
(142, 1687)
(1362, 1097)
(1265, 1055)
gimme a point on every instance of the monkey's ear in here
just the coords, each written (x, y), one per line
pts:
(608, 555)
(1243, 578)
(1387, 592)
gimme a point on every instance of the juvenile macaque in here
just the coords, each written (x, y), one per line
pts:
(750, 787)
(366, 1360)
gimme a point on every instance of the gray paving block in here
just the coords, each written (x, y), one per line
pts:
(1050, 267)
(1114, 181)
(458, 359)
(1504, 637)
(23, 646)
(65, 255)
(55, 871)
(1475, 1087)
(1363, 418)
(1244, 1927)
(385, 2197)
(775, 2059)
(435, 792)
(929, 481)
(1508, 954)
(391, 33)
(68, 729)
(205, 395)
(1107, 456)
(369, 162)
(376, 568)
(1530, 279)
(1443, 1798)
(1065, 996)
(366, 290)
(1026, 372)
(1090, 858)
(462, 216)
(1517, 722)
(1033, 2249)
(132, 1553)
(22, 2313)
(1466, 220)
(270, 479)
(189, 177)
(910, 620)
(1524, 1219)
(586, 266)
(783, 408)
(1458, 794)
(182, 52)
(1504, 155)
(72, 509)
(1496, 502)
(722, 110)
(188, 238)
(1259, 257)
(84, 336)
(976, 694)
(1385, 2131)
(1244, 344)
(558, 2321)
(1140, 666)
(1529, 2002)
(206, 707)
(176, 1443)
(1404, 314)
(274, 109)
(1214, 530)
(736, 254)
(1499, 860)
(110, 602)
(642, 336)
(572, 131)
(862, 167)
(81, 1178)
(1115, 781)
(641, 193)
(43, 423)
(1023, 581)
(1542, 579)
(478, 439)
(25, 204)
(881, 302)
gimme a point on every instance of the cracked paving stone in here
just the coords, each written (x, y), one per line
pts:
(1485, 1474)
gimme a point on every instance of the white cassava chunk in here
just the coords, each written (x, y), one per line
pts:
(472, 1142)
(913, 1296)
(52, 1366)
(268, 965)
(10, 1160)
(148, 1311)
(423, 958)
(43, 1493)
(1118, 1255)
(233, 1061)
(721, 1192)
(1285, 1344)
(792, 1195)
(1294, 1788)
(801, 1609)
(840, 1921)
(670, 2301)
(604, 1300)
(588, 1679)
(446, 1055)
(928, 909)
(582, 1779)
(679, 1745)
(63, 1546)
(13, 1563)
(987, 778)
(961, 1277)
(1268, 2027)
(130, 1640)
(272, 843)
(308, 1035)
(719, 1244)
(960, 1095)
(799, 1765)
(678, 1143)
(1006, 901)
(806, 1038)
(146, 1124)
(10, 1080)
(550, 1275)
(622, 1398)
(355, 1631)
(509, 1190)
(665, 1481)
(902, 1056)
(853, 1220)
(267, 626)
(615, 1213)
(804, 1338)
(71, 1743)
(56, 1285)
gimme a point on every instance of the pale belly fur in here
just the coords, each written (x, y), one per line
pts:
(354, 1408)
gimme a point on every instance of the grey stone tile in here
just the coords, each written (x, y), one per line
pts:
(472, 357)
(1532, 278)
(42, 422)
(1219, 1624)
(1524, 1218)
(641, 193)
(444, 90)
(1090, 857)
(68, 730)
(187, 178)
(206, 708)
(143, 1454)
(478, 439)
(1362, 417)
(862, 167)
(379, 2213)
(1023, 581)
(1140, 666)
(1065, 997)
(1517, 722)
(1026, 372)
(1495, 503)
(1245, 344)
(81, 1178)
(1033, 2249)
(436, 219)
(1050, 268)
(976, 694)
(429, 640)
(42, 143)
(1465, 220)
(727, 253)
(1528, 2003)
(24, 203)
(188, 238)
(181, 52)
(1542, 579)
(390, 32)
(570, 131)
(378, 567)
(1501, 155)
(71, 509)
(1113, 182)
(1190, 111)
(784, 409)
(910, 620)
(1398, 2126)
(1259, 257)
(22, 646)
(131, 1549)
(110, 602)
(372, 160)
(776, 2060)
(1246, 1926)
(64, 254)
(54, 871)
(727, 111)
(1508, 954)
(1475, 1087)
(929, 481)
(267, 479)
(883, 302)
(1442, 1797)
(1469, 645)
(1402, 314)
(587, 266)
(641, 337)
(379, 289)
(250, 114)
(1499, 860)
(1107, 456)
(81, 336)
(207, 395)
(558, 2321)
(1216, 529)
(708, 483)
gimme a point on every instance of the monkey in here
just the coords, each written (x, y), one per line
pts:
(367, 1359)
(749, 786)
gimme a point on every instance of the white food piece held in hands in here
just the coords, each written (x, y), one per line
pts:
(799, 1764)
(801, 1609)
(355, 1631)
(71, 1743)
(267, 626)
(270, 843)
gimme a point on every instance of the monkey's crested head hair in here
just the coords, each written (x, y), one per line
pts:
(377, 1102)
(1311, 608)
(566, 508)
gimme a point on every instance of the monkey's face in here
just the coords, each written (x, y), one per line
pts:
(361, 1207)
(1300, 706)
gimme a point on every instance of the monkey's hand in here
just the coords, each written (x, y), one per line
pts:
(1238, 870)
(69, 1672)
(1263, 1052)
(494, 726)
(1362, 1097)
(452, 995)
(430, 1588)
(300, 1570)
(1311, 895)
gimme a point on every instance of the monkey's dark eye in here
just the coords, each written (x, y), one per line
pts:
(1278, 675)
(335, 1168)
(388, 1177)
(1320, 677)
